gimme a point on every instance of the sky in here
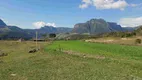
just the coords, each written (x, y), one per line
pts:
(30, 14)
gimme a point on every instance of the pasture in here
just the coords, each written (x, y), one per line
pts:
(70, 60)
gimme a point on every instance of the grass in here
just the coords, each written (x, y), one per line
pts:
(115, 50)
(51, 64)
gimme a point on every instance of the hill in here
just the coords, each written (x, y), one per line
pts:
(97, 26)
(138, 31)
(14, 32)
(94, 26)
(2, 24)
(128, 32)
(115, 27)
(91, 27)
(51, 29)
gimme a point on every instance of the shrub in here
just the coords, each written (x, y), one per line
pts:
(138, 41)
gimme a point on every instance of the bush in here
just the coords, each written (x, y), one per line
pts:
(52, 35)
(138, 41)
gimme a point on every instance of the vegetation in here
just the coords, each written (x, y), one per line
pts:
(120, 34)
(131, 52)
(88, 61)
(138, 41)
(52, 35)
(122, 60)
(139, 31)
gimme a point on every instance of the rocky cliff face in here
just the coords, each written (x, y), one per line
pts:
(81, 28)
(96, 26)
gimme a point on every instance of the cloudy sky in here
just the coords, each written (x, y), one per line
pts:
(66, 13)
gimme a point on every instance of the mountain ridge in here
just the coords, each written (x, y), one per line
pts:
(2, 24)
(98, 26)
(16, 32)
(93, 27)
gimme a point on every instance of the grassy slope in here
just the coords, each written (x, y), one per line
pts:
(54, 65)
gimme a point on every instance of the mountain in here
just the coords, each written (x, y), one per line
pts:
(97, 26)
(115, 27)
(14, 32)
(48, 30)
(128, 29)
(15, 35)
(2, 24)
(81, 28)
(51, 29)
(15, 29)
(63, 30)
(3, 27)
(138, 30)
(94, 26)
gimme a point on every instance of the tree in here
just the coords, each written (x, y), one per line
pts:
(52, 35)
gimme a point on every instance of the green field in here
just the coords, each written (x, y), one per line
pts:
(108, 50)
(70, 60)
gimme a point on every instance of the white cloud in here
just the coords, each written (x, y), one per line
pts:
(51, 24)
(39, 24)
(42, 24)
(110, 4)
(135, 5)
(87, 1)
(131, 22)
(106, 4)
(85, 4)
